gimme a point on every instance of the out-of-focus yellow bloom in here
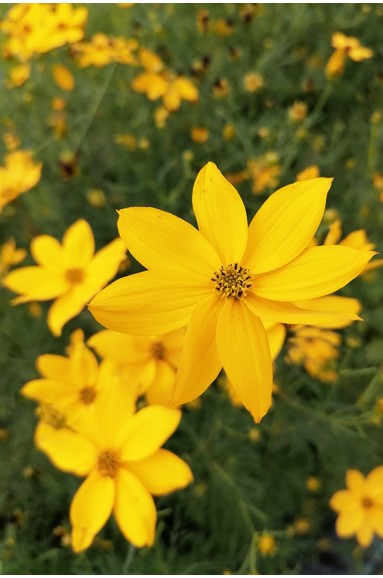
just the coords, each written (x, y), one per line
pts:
(124, 466)
(158, 82)
(161, 115)
(96, 198)
(360, 507)
(229, 131)
(298, 111)
(18, 75)
(311, 172)
(103, 49)
(264, 172)
(11, 141)
(301, 526)
(10, 255)
(18, 175)
(38, 28)
(221, 88)
(63, 77)
(267, 545)
(147, 364)
(253, 81)
(357, 240)
(199, 134)
(345, 46)
(313, 484)
(378, 184)
(223, 27)
(69, 273)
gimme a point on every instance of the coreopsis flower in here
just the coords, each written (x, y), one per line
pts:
(360, 506)
(19, 174)
(158, 82)
(345, 46)
(311, 172)
(223, 279)
(253, 81)
(267, 545)
(356, 239)
(10, 255)
(18, 75)
(103, 49)
(70, 273)
(147, 364)
(120, 454)
(264, 172)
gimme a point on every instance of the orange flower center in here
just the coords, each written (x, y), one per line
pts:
(88, 395)
(75, 275)
(367, 502)
(158, 350)
(232, 281)
(108, 462)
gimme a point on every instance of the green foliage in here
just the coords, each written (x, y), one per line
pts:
(246, 483)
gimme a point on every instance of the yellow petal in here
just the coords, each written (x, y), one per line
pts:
(90, 509)
(220, 214)
(375, 516)
(161, 387)
(63, 77)
(68, 306)
(290, 313)
(349, 521)
(374, 483)
(355, 480)
(134, 510)
(48, 253)
(49, 390)
(185, 88)
(344, 500)
(285, 224)
(67, 450)
(245, 355)
(365, 534)
(120, 346)
(78, 244)
(84, 365)
(149, 303)
(53, 366)
(105, 264)
(162, 473)
(318, 271)
(334, 233)
(194, 376)
(161, 241)
(35, 284)
(153, 84)
(148, 430)
(173, 343)
(276, 335)
(336, 304)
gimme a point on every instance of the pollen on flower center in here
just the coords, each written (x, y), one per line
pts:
(232, 281)
(367, 502)
(158, 350)
(108, 462)
(74, 275)
(88, 395)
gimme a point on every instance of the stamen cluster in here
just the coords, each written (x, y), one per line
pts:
(108, 462)
(232, 281)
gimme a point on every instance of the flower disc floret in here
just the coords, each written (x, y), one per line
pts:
(108, 462)
(75, 275)
(232, 281)
(88, 395)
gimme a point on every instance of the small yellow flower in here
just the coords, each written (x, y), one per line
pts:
(70, 273)
(298, 111)
(360, 507)
(222, 279)
(96, 198)
(199, 134)
(311, 172)
(18, 75)
(18, 175)
(267, 544)
(253, 81)
(229, 131)
(124, 466)
(264, 172)
(103, 49)
(63, 77)
(10, 255)
(345, 46)
(313, 484)
(301, 526)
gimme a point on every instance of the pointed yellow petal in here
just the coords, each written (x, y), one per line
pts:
(90, 509)
(105, 264)
(374, 483)
(67, 450)
(161, 241)
(364, 534)
(375, 516)
(48, 253)
(120, 346)
(78, 244)
(220, 214)
(245, 354)
(149, 303)
(349, 521)
(35, 284)
(161, 388)
(343, 500)
(68, 306)
(355, 480)
(53, 366)
(276, 334)
(134, 510)
(49, 390)
(285, 224)
(336, 304)
(194, 375)
(148, 430)
(162, 473)
(84, 365)
(290, 313)
(318, 271)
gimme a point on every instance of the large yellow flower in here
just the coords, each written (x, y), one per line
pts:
(360, 507)
(69, 273)
(18, 175)
(120, 453)
(222, 279)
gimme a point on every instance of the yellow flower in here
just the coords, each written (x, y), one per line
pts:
(63, 77)
(199, 134)
(103, 49)
(18, 175)
(253, 81)
(69, 273)
(298, 111)
(18, 75)
(148, 364)
(360, 507)
(124, 466)
(313, 484)
(9, 255)
(311, 172)
(267, 545)
(264, 171)
(222, 279)
(345, 46)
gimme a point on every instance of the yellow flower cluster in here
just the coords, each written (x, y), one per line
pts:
(19, 174)
(101, 50)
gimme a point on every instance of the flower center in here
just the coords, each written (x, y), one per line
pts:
(158, 350)
(367, 502)
(51, 416)
(74, 275)
(88, 395)
(108, 462)
(232, 281)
